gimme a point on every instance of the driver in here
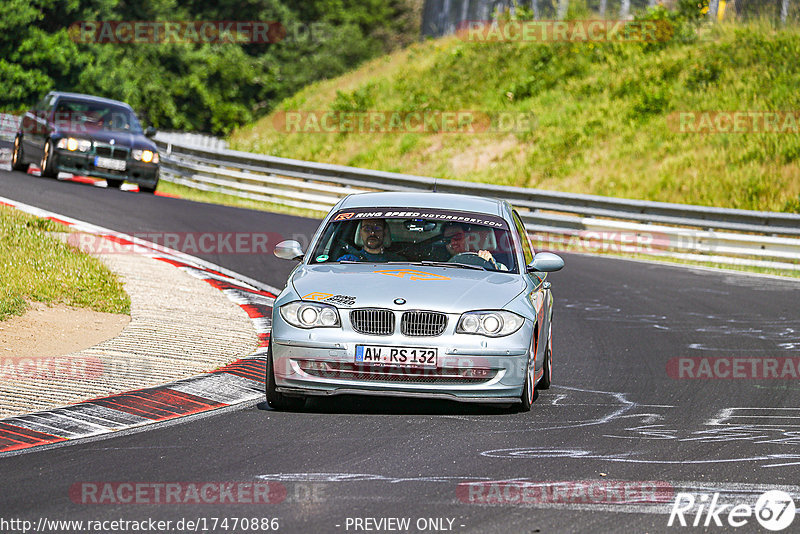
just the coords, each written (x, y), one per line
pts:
(374, 237)
(454, 238)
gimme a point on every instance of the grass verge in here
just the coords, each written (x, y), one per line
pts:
(212, 197)
(38, 267)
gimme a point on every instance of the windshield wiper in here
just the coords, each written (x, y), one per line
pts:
(373, 262)
(449, 264)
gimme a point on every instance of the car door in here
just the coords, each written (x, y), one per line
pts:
(539, 295)
(38, 125)
(29, 127)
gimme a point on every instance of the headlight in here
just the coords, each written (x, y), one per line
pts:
(72, 144)
(310, 315)
(489, 323)
(147, 156)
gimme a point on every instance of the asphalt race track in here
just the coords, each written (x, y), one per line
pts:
(622, 432)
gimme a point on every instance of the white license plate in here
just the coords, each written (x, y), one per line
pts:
(399, 356)
(108, 163)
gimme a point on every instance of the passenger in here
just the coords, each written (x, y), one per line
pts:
(373, 237)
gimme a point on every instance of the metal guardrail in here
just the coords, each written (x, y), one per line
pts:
(555, 220)
(192, 139)
(9, 124)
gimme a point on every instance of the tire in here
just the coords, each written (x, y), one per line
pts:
(275, 400)
(528, 390)
(17, 160)
(146, 189)
(46, 165)
(114, 184)
(547, 369)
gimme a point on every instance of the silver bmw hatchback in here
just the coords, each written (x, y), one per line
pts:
(426, 295)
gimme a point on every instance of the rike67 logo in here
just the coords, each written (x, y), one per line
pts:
(774, 511)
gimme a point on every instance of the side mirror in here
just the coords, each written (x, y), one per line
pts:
(289, 250)
(546, 262)
(150, 131)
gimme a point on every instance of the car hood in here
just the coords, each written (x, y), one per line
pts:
(446, 289)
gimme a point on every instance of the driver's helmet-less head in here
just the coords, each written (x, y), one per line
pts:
(454, 237)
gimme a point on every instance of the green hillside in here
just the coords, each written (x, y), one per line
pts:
(604, 115)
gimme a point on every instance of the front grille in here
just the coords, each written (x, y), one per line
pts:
(423, 323)
(374, 373)
(108, 151)
(376, 322)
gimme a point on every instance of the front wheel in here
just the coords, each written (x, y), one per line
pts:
(17, 162)
(46, 165)
(528, 391)
(547, 368)
(276, 400)
(115, 184)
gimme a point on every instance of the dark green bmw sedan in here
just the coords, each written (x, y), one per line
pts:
(89, 136)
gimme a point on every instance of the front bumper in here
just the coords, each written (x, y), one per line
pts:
(83, 164)
(470, 368)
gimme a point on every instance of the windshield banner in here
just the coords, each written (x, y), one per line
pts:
(436, 215)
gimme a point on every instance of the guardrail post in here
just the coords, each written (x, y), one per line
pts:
(713, 7)
(624, 9)
(563, 6)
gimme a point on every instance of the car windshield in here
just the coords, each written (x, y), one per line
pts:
(418, 236)
(77, 116)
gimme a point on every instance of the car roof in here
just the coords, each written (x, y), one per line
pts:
(422, 199)
(89, 98)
